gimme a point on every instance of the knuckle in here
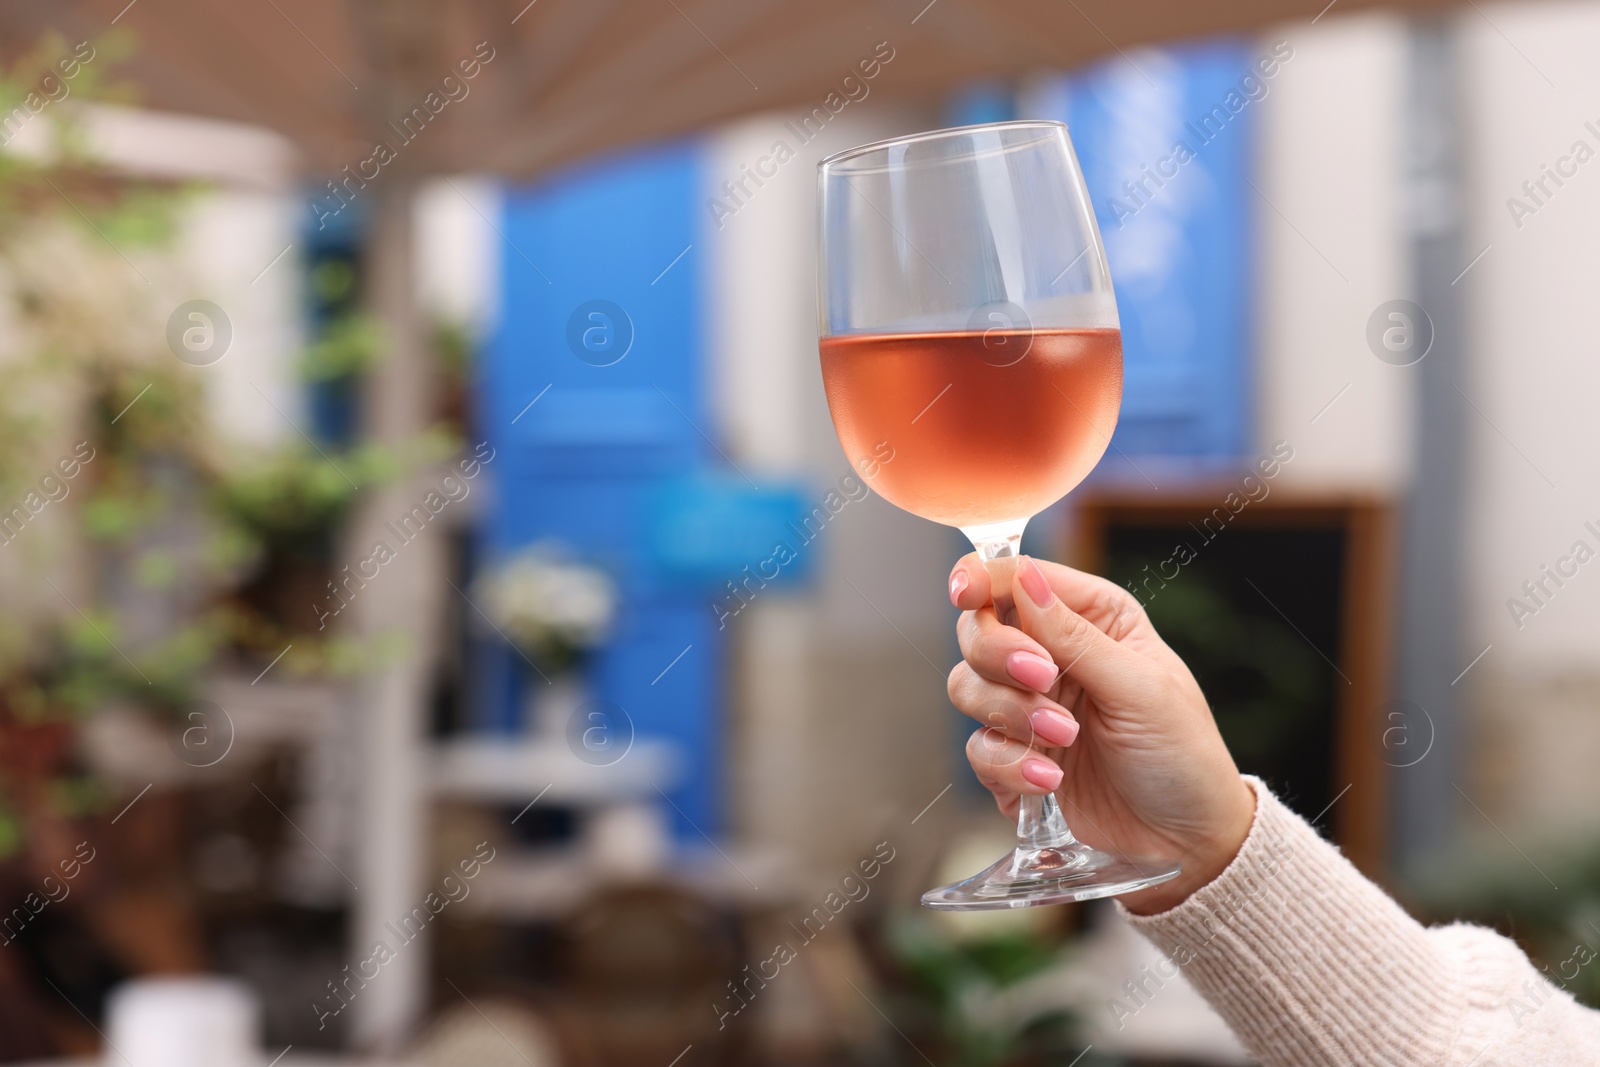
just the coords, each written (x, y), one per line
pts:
(1112, 603)
(977, 639)
(975, 753)
(970, 634)
(964, 630)
(1127, 615)
(955, 683)
(1000, 715)
(983, 745)
(987, 634)
(1075, 629)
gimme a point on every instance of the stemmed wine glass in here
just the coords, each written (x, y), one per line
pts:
(967, 320)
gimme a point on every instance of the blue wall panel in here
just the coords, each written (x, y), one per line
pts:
(1178, 229)
(620, 407)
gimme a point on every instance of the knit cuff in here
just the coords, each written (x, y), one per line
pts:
(1304, 957)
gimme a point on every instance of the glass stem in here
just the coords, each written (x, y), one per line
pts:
(1040, 823)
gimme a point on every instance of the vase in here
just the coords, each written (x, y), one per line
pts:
(550, 706)
(184, 1021)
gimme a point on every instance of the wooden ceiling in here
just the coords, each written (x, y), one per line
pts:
(571, 77)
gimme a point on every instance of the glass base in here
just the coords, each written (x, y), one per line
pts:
(1031, 877)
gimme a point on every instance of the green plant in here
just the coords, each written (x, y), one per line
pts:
(98, 421)
(123, 587)
(292, 497)
(349, 345)
(963, 990)
(1261, 677)
(1514, 889)
(453, 350)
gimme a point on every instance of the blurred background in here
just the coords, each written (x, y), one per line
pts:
(441, 625)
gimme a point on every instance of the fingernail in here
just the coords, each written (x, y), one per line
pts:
(1033, 582)
(1053, 726)
(1033, 671)
(958, 583)
(1042, 773)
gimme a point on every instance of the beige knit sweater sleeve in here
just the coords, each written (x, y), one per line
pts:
(1312, 965)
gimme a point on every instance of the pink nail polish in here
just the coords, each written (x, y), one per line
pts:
(1054, 727)
(1033, 671)
(1042, 773)
(958, 583)
(1033, 583)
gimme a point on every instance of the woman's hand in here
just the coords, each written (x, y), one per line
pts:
(1083, 698)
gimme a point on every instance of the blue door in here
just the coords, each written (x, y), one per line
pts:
(594, 394)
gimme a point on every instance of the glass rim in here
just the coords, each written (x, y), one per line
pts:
(937, 135)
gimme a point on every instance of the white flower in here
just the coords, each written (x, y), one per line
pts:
(548, 604)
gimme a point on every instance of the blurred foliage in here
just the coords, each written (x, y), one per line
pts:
(295, 497)
(351, 344)
(96, 411)
(1262, 678)
(126, 579)
(964, 991)
(333, 282)
(25, 82)
(296, 494)
(453, 347)
(1515, 890)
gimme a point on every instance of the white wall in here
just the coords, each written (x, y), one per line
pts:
(1531, 300)
(1531, 83)
(240, 249)
(1332, 248)
(231, 247)
(1332, 151)
(458, 254)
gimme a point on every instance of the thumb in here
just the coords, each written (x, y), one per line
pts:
(969, 583)
(1079, 648)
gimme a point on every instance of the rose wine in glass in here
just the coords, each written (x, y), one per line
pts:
(967, 319)
(1043, 417)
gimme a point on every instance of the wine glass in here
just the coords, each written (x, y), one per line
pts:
(968, 331)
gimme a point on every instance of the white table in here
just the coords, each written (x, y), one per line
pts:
(513, 769)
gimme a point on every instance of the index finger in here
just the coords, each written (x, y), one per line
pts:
(969, 583)
(1100, 601)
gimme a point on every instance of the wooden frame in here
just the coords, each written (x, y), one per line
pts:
(1366, 623)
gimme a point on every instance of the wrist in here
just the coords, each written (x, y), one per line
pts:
(1205, 860)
